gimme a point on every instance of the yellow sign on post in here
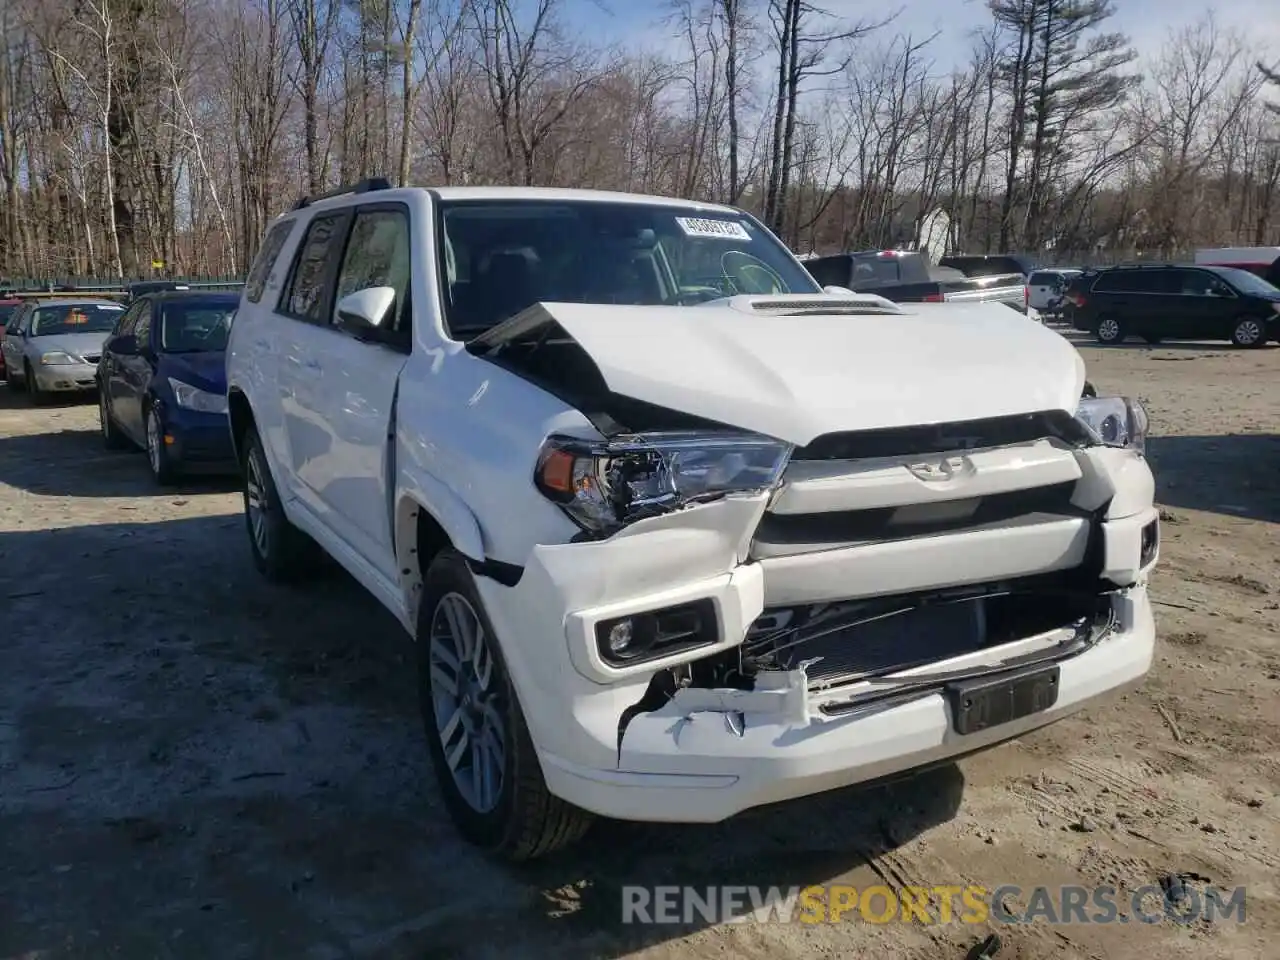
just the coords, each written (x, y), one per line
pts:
(157, 264)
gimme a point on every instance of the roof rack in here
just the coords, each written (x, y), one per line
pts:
(364, 186)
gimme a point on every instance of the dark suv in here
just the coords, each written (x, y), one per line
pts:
(1175, 302)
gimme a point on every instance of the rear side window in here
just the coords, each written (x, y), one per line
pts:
(1043, 279)
(306, 294)
(262, 264)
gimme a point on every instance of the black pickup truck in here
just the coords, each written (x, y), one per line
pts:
(909, 277)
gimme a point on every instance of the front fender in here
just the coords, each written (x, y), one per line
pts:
(417, 488)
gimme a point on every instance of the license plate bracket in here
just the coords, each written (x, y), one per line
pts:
(987, 702)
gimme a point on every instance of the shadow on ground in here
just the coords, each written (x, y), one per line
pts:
(49, 464)
(197, 765)
(1237, 475)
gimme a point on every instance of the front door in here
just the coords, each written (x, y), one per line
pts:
(352, 479)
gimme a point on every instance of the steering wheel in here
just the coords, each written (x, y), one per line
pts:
(767, 281)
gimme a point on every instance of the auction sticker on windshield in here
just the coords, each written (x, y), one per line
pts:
(717, 229)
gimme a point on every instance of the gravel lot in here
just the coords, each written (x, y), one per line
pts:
(193, 764)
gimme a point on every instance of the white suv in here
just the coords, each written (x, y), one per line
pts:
(676, 532)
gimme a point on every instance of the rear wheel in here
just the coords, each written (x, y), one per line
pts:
(1249, 332)
(483, 756)
(281, 552)
(112, 437)
(1110, 330)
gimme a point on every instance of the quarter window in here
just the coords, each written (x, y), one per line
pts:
(256, 282)
(142, 328)
(305, 297)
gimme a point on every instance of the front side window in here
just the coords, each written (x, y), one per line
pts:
(378, 256)
(499, 257)
(1247, 282)
(62, 318)
(196, 327)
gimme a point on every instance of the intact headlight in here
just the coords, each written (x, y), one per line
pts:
(193, 398)
(56, 358)
(607, 485)
(1115, 421)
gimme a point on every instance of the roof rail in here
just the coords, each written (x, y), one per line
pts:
(364, 186)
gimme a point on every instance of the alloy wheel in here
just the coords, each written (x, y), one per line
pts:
(1248, 332)
(1108, 329)
(255, 495)
(465, 701)
(154, 441)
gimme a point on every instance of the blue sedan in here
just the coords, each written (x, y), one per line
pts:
(162, 383)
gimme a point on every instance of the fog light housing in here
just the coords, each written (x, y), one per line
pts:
(655, 634)
(1150, 543)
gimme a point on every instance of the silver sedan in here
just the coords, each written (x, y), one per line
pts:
(53, 346)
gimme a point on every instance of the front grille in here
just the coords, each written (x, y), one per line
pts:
(781, 534)
(945, 437)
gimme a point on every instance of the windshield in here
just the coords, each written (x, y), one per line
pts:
(196, 327)
(75, 318)
(6, 313)
(1247, 282)
(502, 256)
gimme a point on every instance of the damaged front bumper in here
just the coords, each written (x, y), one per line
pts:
(702, 753)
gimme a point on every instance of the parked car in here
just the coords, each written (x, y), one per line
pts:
(1263, 261)
(1175, 302)
(162, 383)
(605, 458)
(989, 265)
(908, 277)
(7, 309)
(1045, 289)
(52, 346)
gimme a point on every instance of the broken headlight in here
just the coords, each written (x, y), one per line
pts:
(1115, 421)
(603, 486)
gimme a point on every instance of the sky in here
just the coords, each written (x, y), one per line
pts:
(1147, 22)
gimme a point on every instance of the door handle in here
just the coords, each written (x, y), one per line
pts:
(311, 365)
(260, 344)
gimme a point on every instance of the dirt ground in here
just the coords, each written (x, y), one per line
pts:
(194, 764)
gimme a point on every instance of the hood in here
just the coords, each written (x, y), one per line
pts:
(76, 344)
(800, 366)
(206, 370)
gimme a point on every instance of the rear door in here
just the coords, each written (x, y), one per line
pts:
(133, 372)
(351, 481)
(302, 330)
(111, 371)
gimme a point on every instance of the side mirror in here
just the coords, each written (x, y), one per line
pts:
(838, 291)
(126, 345)
(366, 310)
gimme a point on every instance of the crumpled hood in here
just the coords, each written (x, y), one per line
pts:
(76, 344)
(797, 377)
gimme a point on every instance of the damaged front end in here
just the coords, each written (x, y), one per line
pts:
(835, 660)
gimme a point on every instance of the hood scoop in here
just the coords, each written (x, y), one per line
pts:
(808, 304)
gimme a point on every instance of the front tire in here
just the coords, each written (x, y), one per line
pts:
(1249, 332)
(281, 552)
(37, 396)
(481, 751)
(163, 470)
